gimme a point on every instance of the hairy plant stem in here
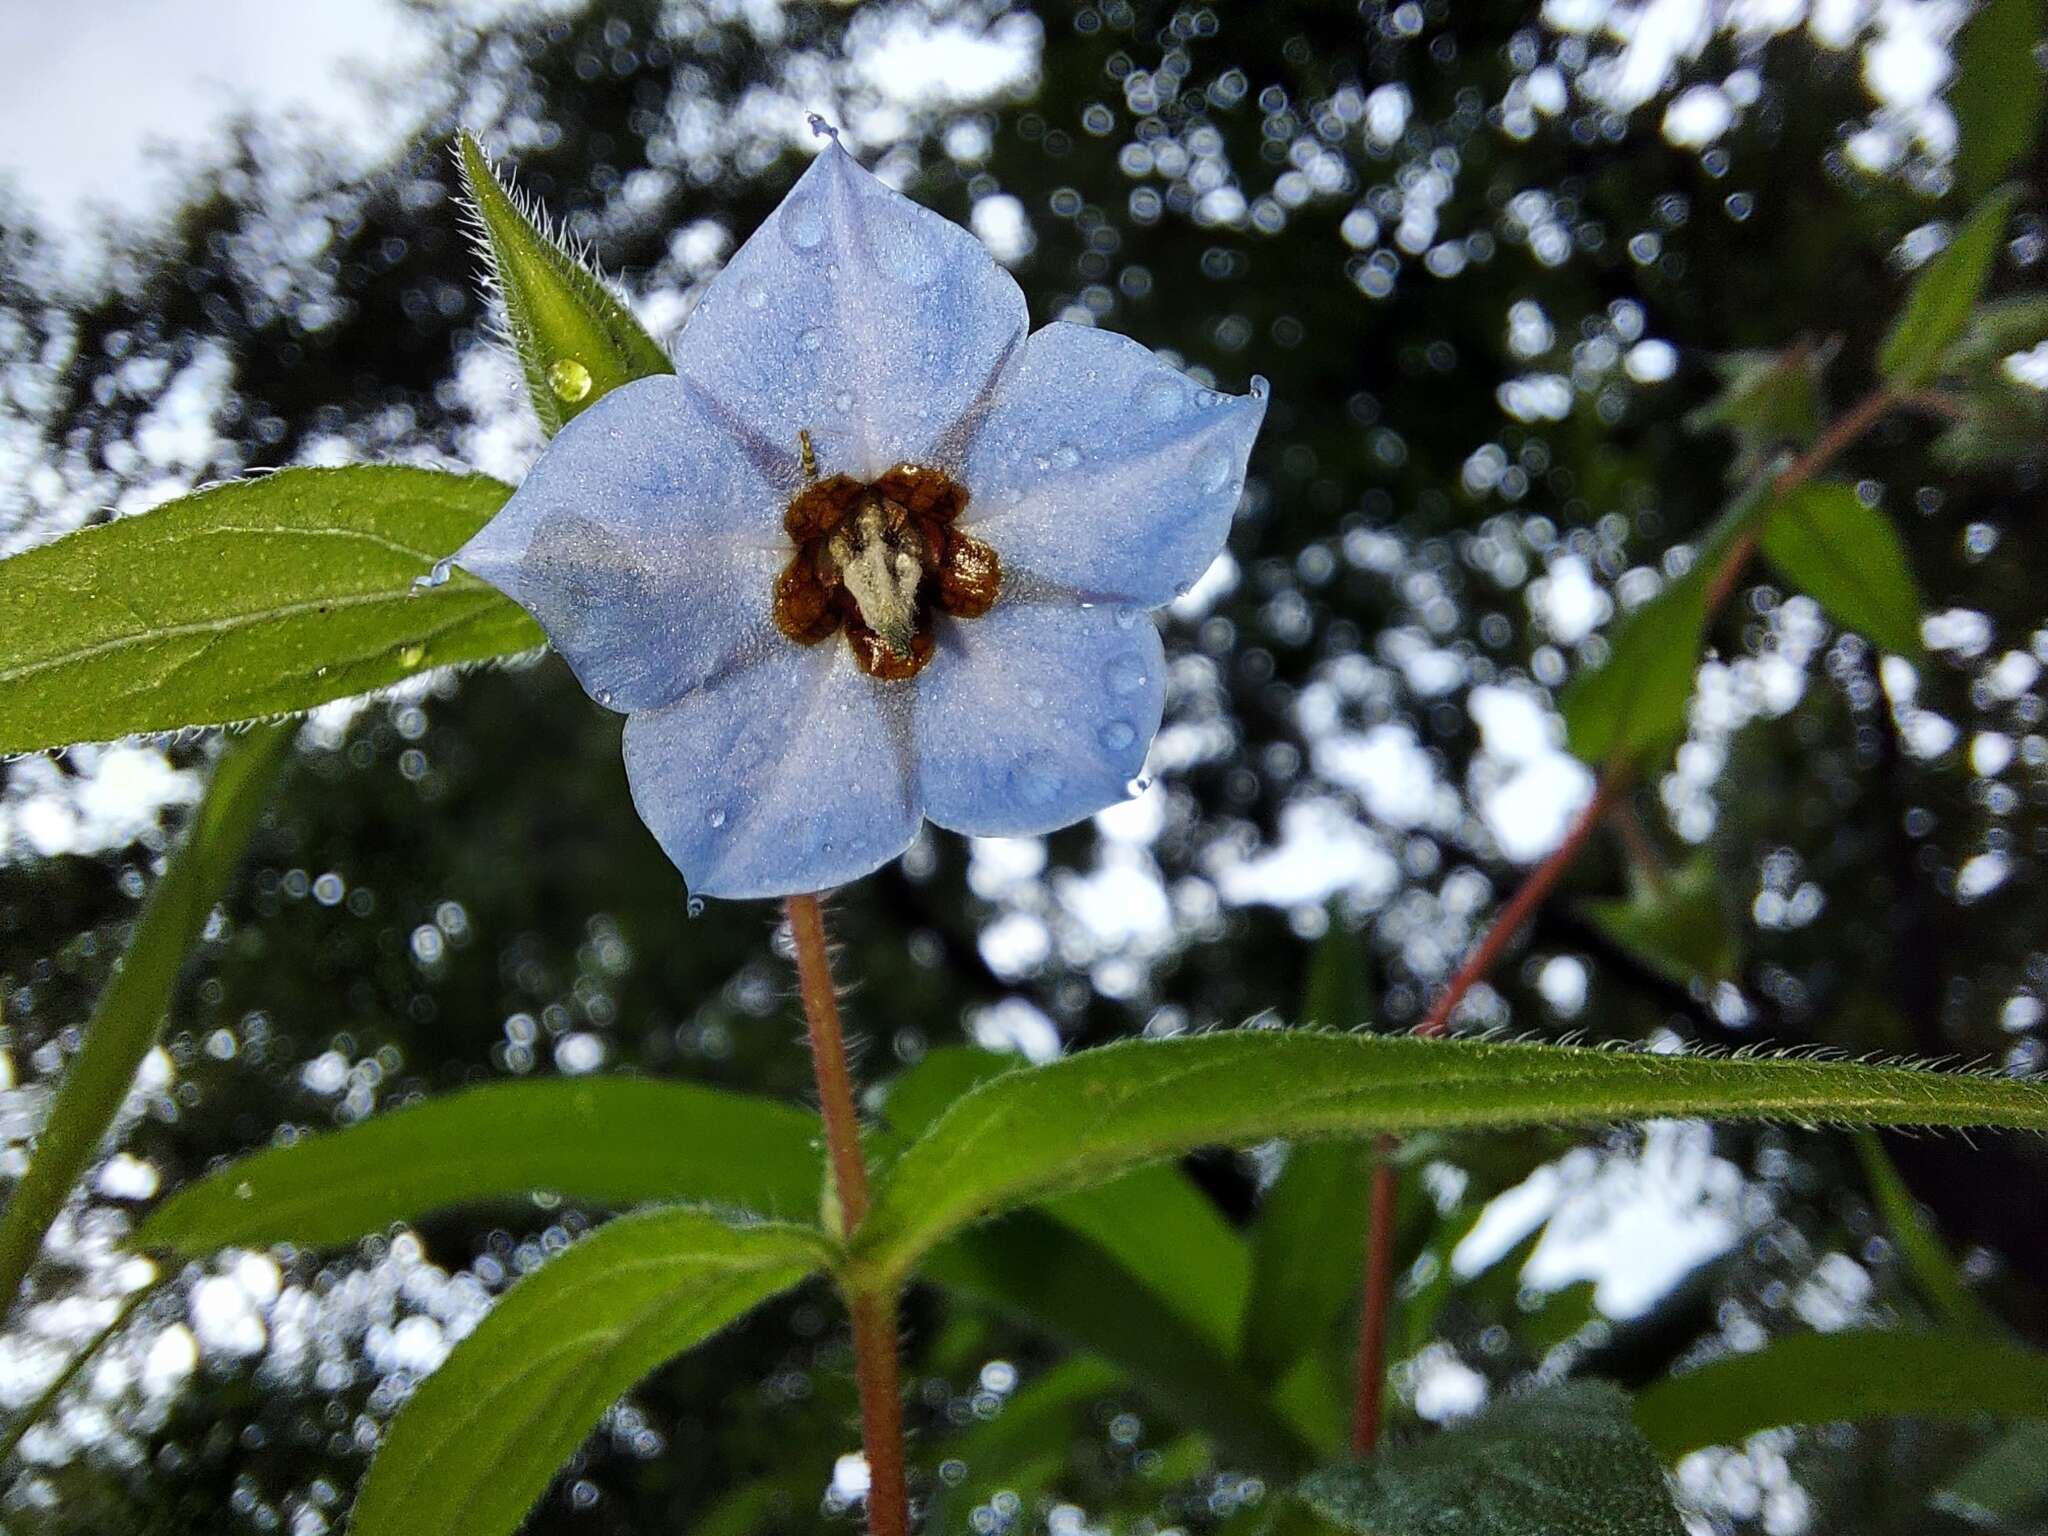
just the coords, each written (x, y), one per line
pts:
(875, 1369)
(1376, 1290)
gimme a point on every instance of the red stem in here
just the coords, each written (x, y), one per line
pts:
(1377, 1290)
(875, 1369)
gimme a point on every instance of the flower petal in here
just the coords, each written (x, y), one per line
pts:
(1036, 715)
(876, 325)
(644, 542)
(1105, 471)
(791, 775)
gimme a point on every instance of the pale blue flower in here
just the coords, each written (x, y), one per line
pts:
(650, 537)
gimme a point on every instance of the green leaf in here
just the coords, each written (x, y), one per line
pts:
(1677, 926)
(1927, 1259)
(1026, 1446)
(1998, 96)
(1170, 1235)
(1032, 1270)
(258, 598)
(1997, 419)
(2008, 1482)
(1044, 1131)
(1767, 399)
(1563, 1462)
(481, 1439)
(1847, 557)
(604, 1140)
(1829, 1378)
(130, 1011)
(1308, 1251)
(577, 342)
(1938, 307)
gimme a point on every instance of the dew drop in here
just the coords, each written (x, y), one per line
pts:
(1038, 780)
(1118, 735)
(1207, 398)
(1139, 785)
(754, 296)
(1161, 398)
(1212, 468)
(811, 339)
(604, 697)
(1127, 617)
(1034, 698)
(1125, 675)
(438, 576)
(694, 906)
(1260, 388)
(569, 379)
(245, 1191)
(715, 820)
(803, 221)
(843, 401)
(412, 655)
(1066, 456)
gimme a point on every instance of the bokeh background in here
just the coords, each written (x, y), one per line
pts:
(1486, 254)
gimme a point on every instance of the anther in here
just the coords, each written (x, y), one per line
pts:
(881, 574)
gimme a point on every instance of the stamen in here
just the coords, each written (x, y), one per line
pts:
(881, 574)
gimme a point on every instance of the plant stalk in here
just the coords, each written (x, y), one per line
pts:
(1377, 1288)
(875, 1368)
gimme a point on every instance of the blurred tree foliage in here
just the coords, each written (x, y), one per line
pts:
(453, 886)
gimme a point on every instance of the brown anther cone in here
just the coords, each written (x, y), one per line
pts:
(970, 576)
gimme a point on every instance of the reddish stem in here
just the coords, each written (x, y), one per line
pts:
(1377, 1289)
(875, 1369)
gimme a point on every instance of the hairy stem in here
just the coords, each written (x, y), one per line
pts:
(875, 1368)
(1377, 1287)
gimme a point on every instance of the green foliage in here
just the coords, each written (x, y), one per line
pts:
(1049, 1130)
(1934, 1272)
(1828, 1378)
(1563, 1462)
(1847, 557)
(607, 1140)
(1996, 419)
(575, 339)
(479, 1441)
(1938, 308)
(2008, 1482)
(131, 1010)
(1998, 97)
(1677, 924)
(253, 599)
(1766, 401)
(1307, 1246)
(1025, 1447)
(1633, 705)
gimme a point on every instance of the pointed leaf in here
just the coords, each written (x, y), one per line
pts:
(257, 598)
(481, 1439)
(1998, 96)
(1831, 1378)
(1938, 307)
(1678, 926)
(603, 1140)
(575, 338)
(1562, 1462)
(1080, 1121)
(130, 1011)
(1308, 1247)
(1847, 557)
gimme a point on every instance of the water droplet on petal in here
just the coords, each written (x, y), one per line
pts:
(1125, 675)
(715, 820)
(604, 697)
(1034, 698)
(1206, 398)
(695, 906)
(821, 128)
(803, 221)
(569, 379)
(1066, 456)
(1038, 780)
(1212, 468)
(1260, 388)
(1139, 785)
(900, 240)
(1161, 398)
(1127, 617)
(438, 576)
(811, 339)
(843, 401)
(754, 296)
(1118, 735)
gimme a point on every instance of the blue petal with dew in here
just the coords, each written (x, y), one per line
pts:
(1036, 715)
(646, 545)
(790, 775)
(1106, 471)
